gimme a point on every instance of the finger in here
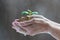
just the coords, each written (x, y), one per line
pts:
(17, 26)
(37, 20)
(36, 16)
(39, 16)
(15, 23)
(25, 23)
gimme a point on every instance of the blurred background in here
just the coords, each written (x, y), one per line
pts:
(10, 10)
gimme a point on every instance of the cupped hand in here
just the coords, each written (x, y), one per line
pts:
(38, 24)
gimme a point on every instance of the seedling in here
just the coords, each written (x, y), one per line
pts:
(27, 14)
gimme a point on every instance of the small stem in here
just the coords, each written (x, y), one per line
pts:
(29, 17)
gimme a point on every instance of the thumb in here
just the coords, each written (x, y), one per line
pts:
(39, 16)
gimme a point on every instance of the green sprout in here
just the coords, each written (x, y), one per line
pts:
(29, 13)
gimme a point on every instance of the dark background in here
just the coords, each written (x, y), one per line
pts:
(9, 10)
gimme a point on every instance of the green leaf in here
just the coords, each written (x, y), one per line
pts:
(34, 13)
(24, 13)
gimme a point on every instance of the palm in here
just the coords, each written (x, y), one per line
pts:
(35, 27)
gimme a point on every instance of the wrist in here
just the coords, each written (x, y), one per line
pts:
(52, 26)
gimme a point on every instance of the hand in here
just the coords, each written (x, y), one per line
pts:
(38, 24)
